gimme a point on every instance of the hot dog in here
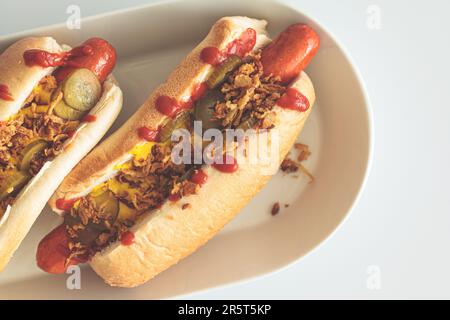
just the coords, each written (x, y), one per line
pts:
(55, 105)
(130, 208)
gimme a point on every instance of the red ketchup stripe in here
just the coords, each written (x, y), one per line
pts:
(229, 164)
(45, 59)
(148, 134)
(199, 177)
(127, 238)
(89, 118)
(211, 55)
(294, 100)
(65, 204)
(71, 133)
(174, 197)
(243, 44)
(94, 54)
(240, 46)
(170, 107)
(4, 93)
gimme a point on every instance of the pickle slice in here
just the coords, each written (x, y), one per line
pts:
(13, 183)
(64, 111)
(204, 109)
(89, 233)
(180, 122)
(29, 152)
(220, 72)
(109, 204)
(92, 231)
(81, 89)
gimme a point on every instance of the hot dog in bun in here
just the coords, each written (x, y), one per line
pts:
(129, 209)
(55, 105)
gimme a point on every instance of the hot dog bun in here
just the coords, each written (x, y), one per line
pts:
(170, 233)
(99, 164)
(21, 79)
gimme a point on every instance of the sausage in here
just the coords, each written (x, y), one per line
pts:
(94, 54)
(290, 52)
(53, 251)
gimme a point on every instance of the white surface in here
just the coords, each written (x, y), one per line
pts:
(401, 222)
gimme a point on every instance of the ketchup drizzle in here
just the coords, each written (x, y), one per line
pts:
(148, 134)
(168, 106)
(65, 204)
(127, 238)
(239, 46)
(199, 177)
(89, 118)
(71, 133)
(171, 107)
(95, 54)
(174, 197)
(4, 93)
(294, 100)
(229, 164)
(45, 59)
(211, 55)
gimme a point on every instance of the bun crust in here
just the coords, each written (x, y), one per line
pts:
(19, 217)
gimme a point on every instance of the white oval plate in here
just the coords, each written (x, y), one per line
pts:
(150, 41)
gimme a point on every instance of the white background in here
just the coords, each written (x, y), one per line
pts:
(402, 223)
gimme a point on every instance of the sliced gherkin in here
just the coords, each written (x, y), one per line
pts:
(220, 72)
(204, 109)
(13, 183)
(64, 111)
(90, 233)
(180, 122)
(109, 204)
(30, 151)
(81, 89)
